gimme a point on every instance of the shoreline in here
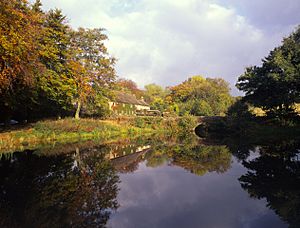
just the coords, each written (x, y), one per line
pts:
(71, 131)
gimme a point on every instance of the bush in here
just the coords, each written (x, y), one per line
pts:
(187, 123)
(201, 108)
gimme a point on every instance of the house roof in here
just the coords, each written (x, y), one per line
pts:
(127, 98)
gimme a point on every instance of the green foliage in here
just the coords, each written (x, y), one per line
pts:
(239, 109)
(158, 104)
(55, 83)
(201, 108)
(173, 108)
(97, 106)
(275, 85)
(155, 95)
(187, 123)
(153, 90)
(46, 67)
(92, 67)
(200, 96)
(148, 122)
(184, 108)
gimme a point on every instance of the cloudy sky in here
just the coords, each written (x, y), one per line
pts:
(166, 41)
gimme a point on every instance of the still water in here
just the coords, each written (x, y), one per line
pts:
(155, 182)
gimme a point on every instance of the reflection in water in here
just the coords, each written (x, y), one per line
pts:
(79, 185)
(75, 190)
(202, 159)
(275, 176)
(198, 159)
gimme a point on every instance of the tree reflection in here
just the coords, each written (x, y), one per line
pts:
(157, 157)
(275, 175)
(77, 190)
(198, 159)
(187, 153)
(202, 159)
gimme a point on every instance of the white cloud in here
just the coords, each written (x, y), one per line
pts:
(167, 41)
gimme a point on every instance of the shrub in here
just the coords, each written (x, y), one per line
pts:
(187, 123)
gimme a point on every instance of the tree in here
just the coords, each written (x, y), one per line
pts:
(275, 85)
(156, 96)
(55, 84)
(154, 91)
(19, 51)
(200, 96)
(128, 85)
(201, 108)
(46, 67)
(91, 66)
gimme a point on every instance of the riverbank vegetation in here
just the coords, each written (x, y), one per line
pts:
(72, 130)
(49, 70)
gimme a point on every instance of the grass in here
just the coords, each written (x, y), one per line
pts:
(71, 130)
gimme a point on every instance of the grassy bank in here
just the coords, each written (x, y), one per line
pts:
(71, 130)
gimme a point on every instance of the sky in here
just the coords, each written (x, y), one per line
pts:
(167, 41)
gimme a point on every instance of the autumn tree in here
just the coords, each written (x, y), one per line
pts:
(128, 85)
(200, 96)
(19, 51)
(91, 66)
(46, 66)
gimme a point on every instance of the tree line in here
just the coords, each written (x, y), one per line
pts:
(46, 67)
(197, 96)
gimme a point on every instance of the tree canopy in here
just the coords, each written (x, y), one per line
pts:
(46, 67)
(275, 85)
(91, 66)
(201, 96)
(128, 85)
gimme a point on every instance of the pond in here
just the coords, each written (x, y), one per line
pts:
(153, 182)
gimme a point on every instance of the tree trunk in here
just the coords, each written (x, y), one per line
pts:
(78, 109)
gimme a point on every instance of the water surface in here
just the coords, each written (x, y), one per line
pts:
(158, 182)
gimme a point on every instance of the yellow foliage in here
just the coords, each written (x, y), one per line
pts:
(257, 111)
